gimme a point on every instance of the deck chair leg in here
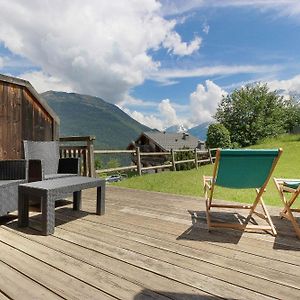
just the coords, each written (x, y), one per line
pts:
(266, 216)
(208, 195)
(289, 215)
(288, 203)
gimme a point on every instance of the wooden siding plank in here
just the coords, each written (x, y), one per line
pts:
(5, 122)
(15, 135)
(2, 120)
(41, 124)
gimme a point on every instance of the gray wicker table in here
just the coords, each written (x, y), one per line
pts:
(51, 190)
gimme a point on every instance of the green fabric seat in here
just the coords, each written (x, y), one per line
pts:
(292, 184)
(243, 169)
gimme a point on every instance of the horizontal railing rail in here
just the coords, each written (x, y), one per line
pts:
(83, 147)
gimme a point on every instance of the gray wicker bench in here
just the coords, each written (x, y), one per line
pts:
(51, 190)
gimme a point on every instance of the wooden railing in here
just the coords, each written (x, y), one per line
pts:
(170, 163)
(84, 149)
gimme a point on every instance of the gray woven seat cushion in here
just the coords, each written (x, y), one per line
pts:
(9, 195)
(7, 183)
(61, 175)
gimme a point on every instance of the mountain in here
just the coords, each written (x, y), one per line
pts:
(176, 129)
(200, 131)
(87, 115)
(197, 131)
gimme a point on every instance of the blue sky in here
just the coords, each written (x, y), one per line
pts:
(163, 62)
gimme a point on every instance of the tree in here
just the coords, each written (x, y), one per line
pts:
(218, 136)
(292, 112)
(252, 113)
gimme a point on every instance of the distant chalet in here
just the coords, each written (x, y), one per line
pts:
(155, 141)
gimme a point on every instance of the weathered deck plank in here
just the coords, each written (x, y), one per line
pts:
(17, 286)
(163, 246)
(147, 246)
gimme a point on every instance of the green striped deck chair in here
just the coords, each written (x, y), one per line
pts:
(289, 187)
(242, 169)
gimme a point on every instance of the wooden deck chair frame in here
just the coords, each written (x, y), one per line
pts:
(209, 186)
(287, 212)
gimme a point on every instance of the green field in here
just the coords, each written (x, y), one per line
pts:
(190, 182)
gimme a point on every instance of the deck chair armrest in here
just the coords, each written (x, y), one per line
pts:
(207, 180)
(35, 170)
(69, 165)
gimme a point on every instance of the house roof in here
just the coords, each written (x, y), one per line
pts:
(168, 141)
(29, 87)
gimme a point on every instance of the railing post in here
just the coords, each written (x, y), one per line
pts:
(209, 153)
(196, 158)
(91, 160)
(173, 160)
(138, 161)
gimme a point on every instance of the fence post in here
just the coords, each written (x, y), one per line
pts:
(91, 159)
(210, 157)
(138, 161)
(173, 160)
(196, 158)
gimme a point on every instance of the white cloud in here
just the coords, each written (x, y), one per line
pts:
(45, 82)
(204, 101)
(96, 47)
(130, 101)
(174, 44)
(166, 76)
(206, 28)
(283, 7)
(164, 116)
(168, 112)
(291, 85)
(1, 62)
(147, 119)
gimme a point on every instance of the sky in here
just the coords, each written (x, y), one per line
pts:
(164, 63)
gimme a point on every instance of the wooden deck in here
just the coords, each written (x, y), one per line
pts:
(147, 246)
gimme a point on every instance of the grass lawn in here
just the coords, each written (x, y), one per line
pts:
(190, 182)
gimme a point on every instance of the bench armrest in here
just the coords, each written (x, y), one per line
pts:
(13, 169)
(35, 170)
(69, 165)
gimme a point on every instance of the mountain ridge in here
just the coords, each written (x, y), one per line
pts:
(88, 115)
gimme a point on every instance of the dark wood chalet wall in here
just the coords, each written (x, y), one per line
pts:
(22, 117)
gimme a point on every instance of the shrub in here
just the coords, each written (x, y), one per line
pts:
(218, 136)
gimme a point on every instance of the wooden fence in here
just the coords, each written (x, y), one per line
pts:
(84, 148)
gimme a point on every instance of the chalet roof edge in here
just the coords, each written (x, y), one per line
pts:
(146, 133)
(31, 89)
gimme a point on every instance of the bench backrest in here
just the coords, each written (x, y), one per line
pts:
(48, 152)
